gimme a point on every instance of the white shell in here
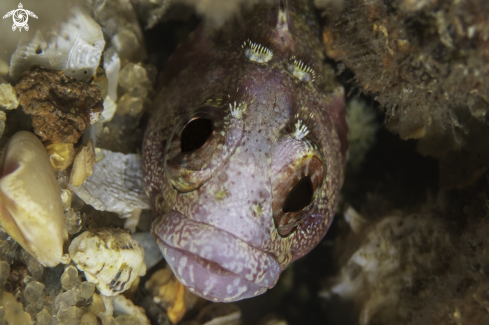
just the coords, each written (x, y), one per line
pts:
(110, 258)
(116, 184)
(8, 96)
(112, 66)
(30, 204)
(75, 49)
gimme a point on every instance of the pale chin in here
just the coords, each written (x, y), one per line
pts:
(211, 262)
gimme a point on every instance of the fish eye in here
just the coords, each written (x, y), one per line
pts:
(200, 142)
(300, 196)
(195, 134)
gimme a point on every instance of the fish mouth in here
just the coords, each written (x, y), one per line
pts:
(211, 262)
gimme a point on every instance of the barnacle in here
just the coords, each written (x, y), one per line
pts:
(110, 258)
(27, 182)
(301, 71)
(257, 52)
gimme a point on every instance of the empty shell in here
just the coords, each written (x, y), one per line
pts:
(30, 204)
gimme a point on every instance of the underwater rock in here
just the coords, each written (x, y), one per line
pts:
(421, 60)
(61, 107)
(396, 253)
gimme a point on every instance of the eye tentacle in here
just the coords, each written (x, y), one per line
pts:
(300, 131)
(237, 110)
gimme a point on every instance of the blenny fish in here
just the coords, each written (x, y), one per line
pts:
(245, 151)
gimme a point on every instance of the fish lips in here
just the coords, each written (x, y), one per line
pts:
(211, 262)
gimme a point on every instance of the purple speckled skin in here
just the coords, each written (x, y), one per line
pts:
(217, 211)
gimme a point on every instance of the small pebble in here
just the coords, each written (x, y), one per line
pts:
(8, 97)
(65, 300)
(84, 290)
(44, 317)
(4, 272)
(66, 198)
(90, 319)
(13, 311)
(35, 268)
(127, 320)
(34, 291)
(4, 248)
(3, 119)
(132, 76)
(126, 44)
(129, 105)
(70, 315)
(61, 155)
(97, 307)
(108, 320)
(73, 221)
(69, 278)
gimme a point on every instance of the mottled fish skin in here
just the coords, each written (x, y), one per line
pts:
(217, 210)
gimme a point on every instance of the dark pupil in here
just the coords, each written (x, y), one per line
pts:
(299, 196)
(195, 134)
